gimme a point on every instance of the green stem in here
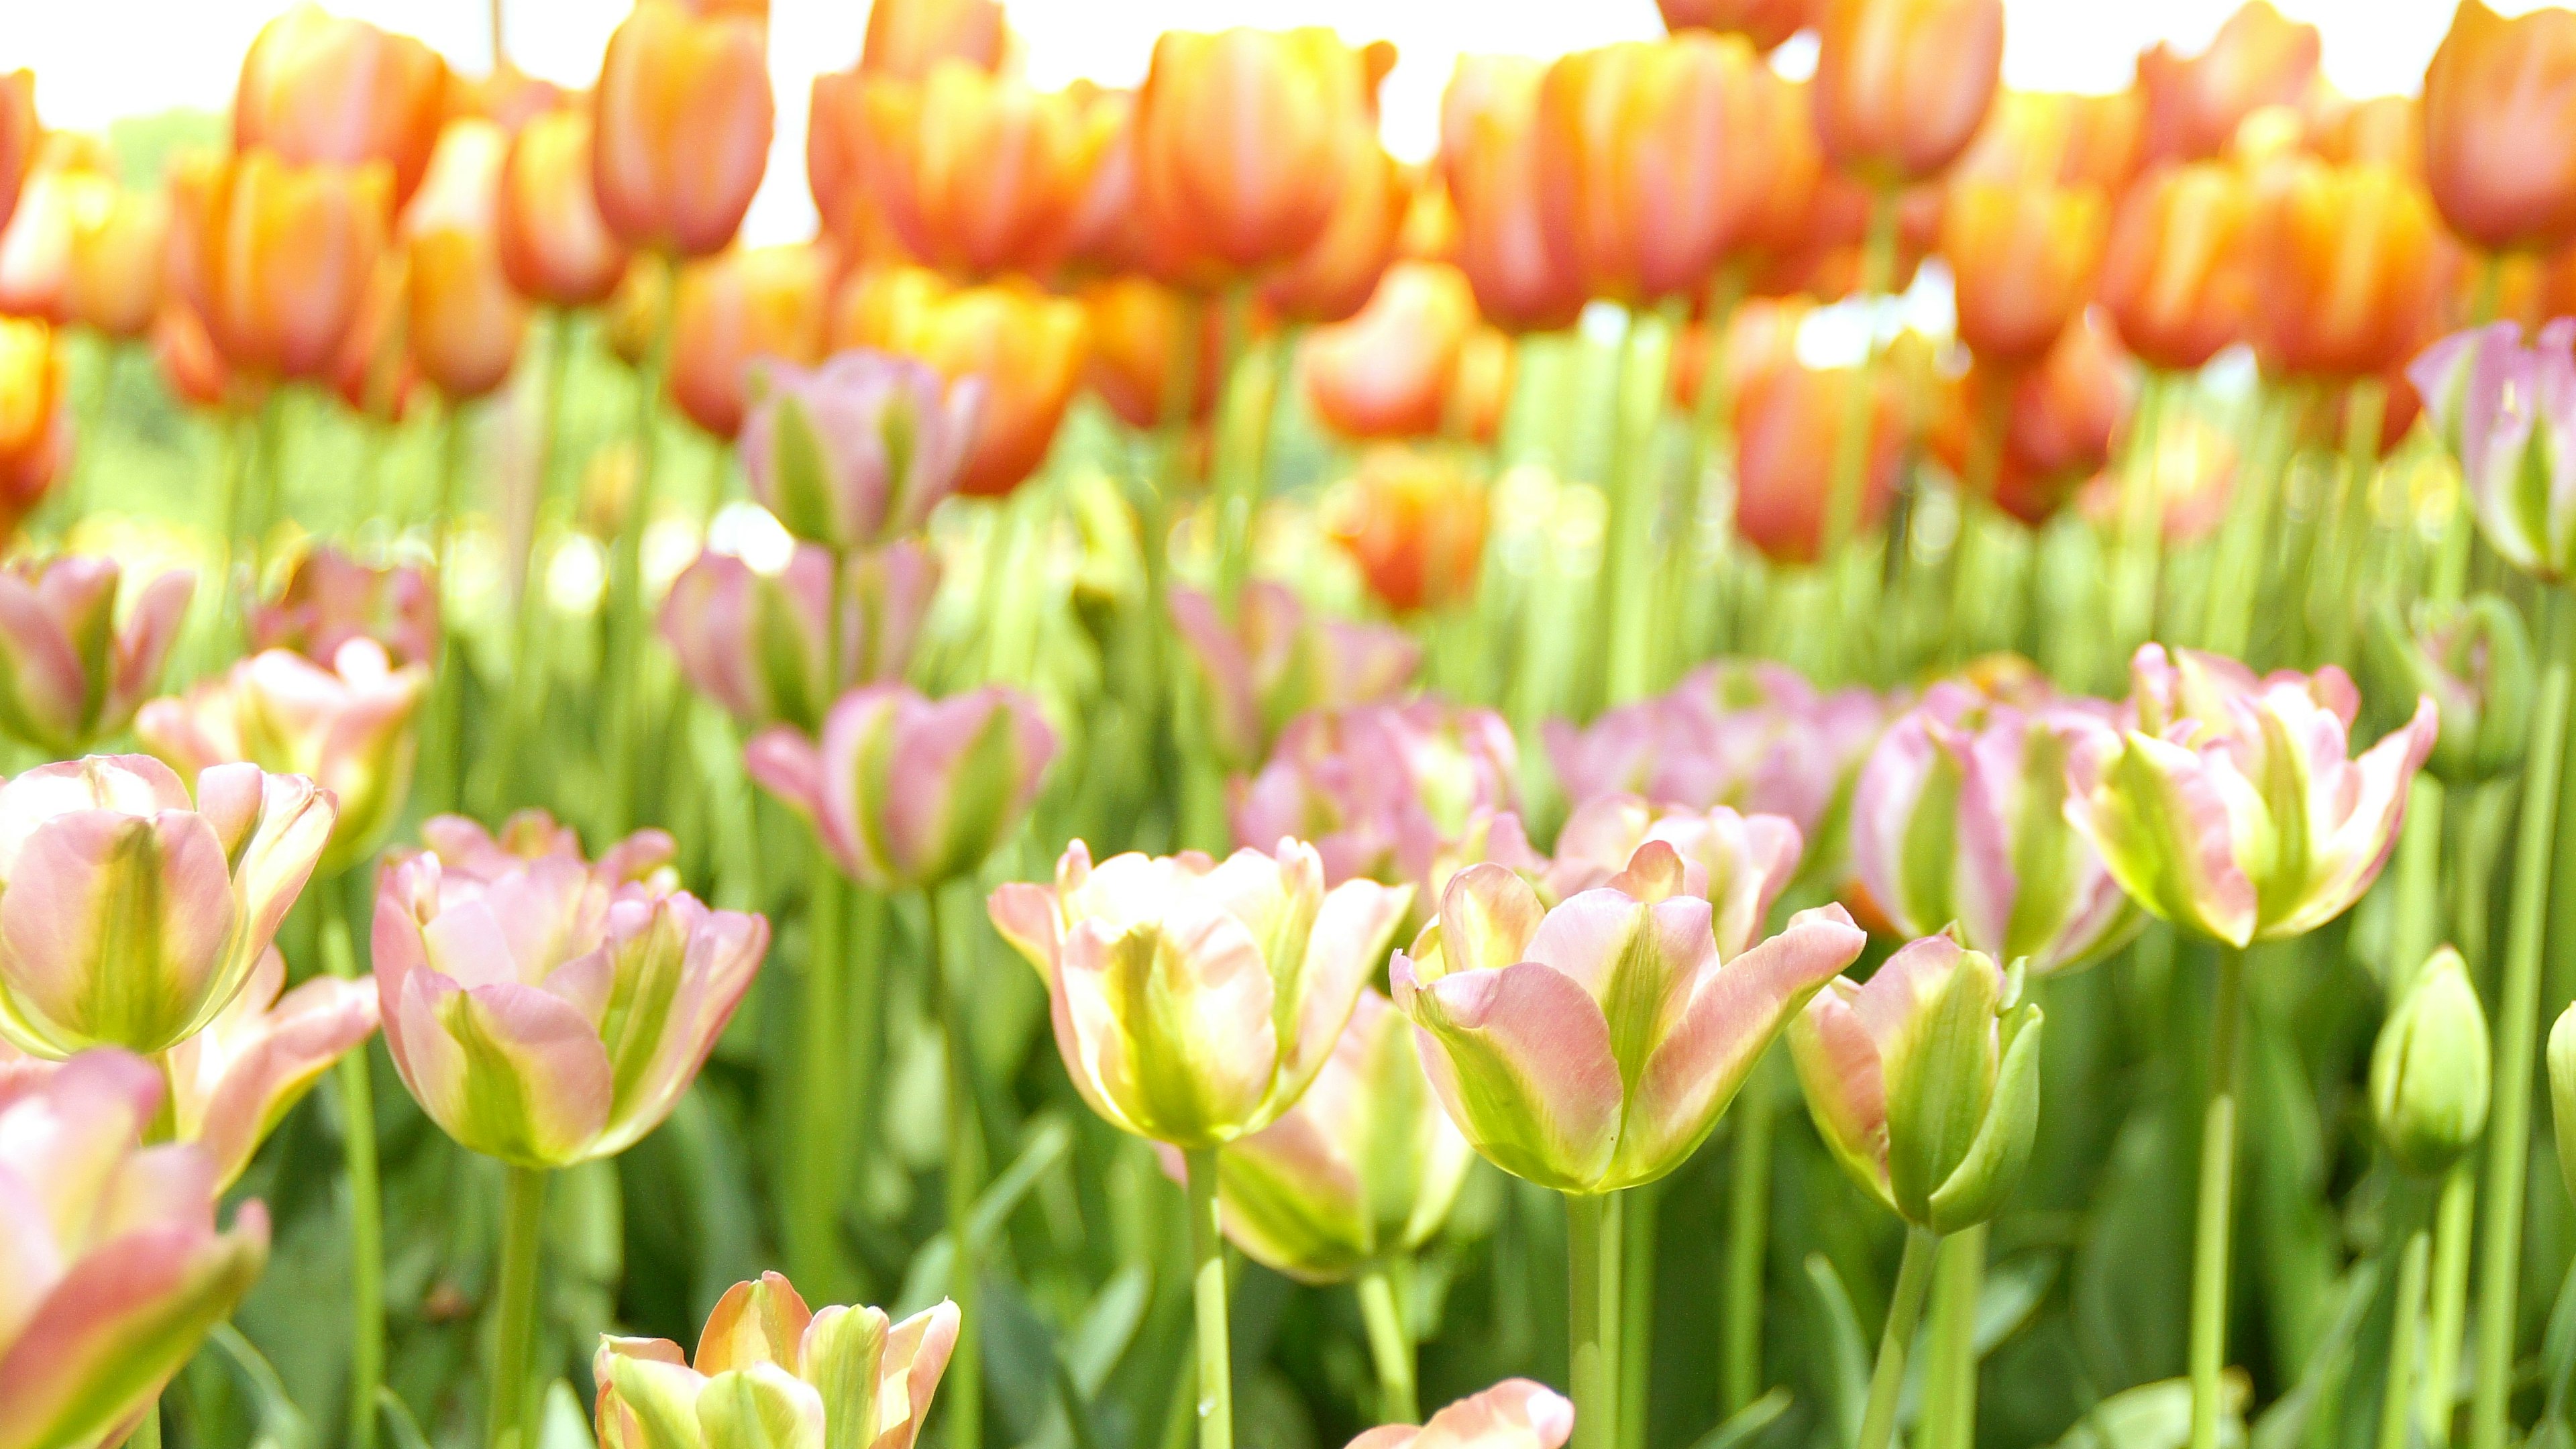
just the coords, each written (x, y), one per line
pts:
(1950, 1360)
(2417, 928)
(2236, 575)
(2517, 1027)
(1390, 1345)
(626, 602)
(1243, 408)
(2405, 1338)
(965, 1169)
(2348, 523)
(523, 1231)
(1207, 1283)
(1851, 438)
(1748, 1238)
(270, 493)
(1629, 526)
(1637, 1310)
(822, 1142)
(1904, 1307)
(451, 672)
(2450, 1301)
(366, 1195)
(1712, 447)
(1593, 1273)
(2217, 1199)
(526, 704)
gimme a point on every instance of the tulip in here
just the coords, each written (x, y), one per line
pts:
(859, 450)
(1194, 1000)
(331, 598)
(2023, 261)
(20, 133)
(373, 372)
(119, 238)
(319, 89)
(117, 1268)
(1334, 277)
(2196, 103)
(276, 258)
(1591, 1047)
(1902, 85)
(1026, 346)
(72, 677)
(1414, 522)
(1136, 327)
(2474, 662)
(1957, 823)
(758, 641)
(36, 246)
(136, 913)
(732, 309)
(2505, 410)
(2058, 421)
(1754, 736)
(767, 1366)
(189, 364)
(1765, 23)
(1489, 156)
(2430, 1077)
(907, 791)
(681, 124)
(35, 422)
(349, 727)
(2496, 96)
(2176, 275)
(1278, 659)
(2231, 808)
(977, 173)
(906, 38)
(2344, 265)
(543, 1010)
(1924, 1081)
(2057, 139)
(465, 321)
(1744, 860)
(556, 248)
(1383, 789)
(1785, 423)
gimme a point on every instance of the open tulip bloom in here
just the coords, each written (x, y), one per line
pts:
(70, 673)
(1751, 735)
(2508, 412)
(1384, 791)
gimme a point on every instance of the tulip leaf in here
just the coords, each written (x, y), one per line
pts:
(1848, 1354)
(2285, 1424)
(1739, 1428)
(281, 1424)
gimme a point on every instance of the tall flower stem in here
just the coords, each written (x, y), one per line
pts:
(1712, 447)
(1594, 1263)
(1851, 438)
(965, 1172)
(822, 1145)
(2516, 1029)
(2447, 1312)
(2217, 1198)
(1904, 1308)
(451, 674)
(1748, 1238)
(1207, 1286)
(523, 1232)
(526, 702)
(1950, 1360)
(2406, 1325)
(1390, 1346)
(366, 1195)
(1243, 411)
(2140, 541)
(624, 693)
(1619, 667)
(1637, 1310)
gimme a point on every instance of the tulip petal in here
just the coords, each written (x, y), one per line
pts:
(1993, 1164)
(1026, 916)
(2165, 830)
(1488, 915)
(916, 1354)
(657, 1400)
(1521, 1058)
(1170, 1024)
(1513, 1414)
(113, 931)
(508, 1070)
(1348, 942)
(842, 1350)
(760, 1320)
(1838, 1071)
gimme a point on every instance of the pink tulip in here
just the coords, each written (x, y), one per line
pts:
(2508, 412)
(1591, 1047)
(68, 675)
(1278, 659)
(129, 914)
(771, 1371)
(543, 1010)
(756, 642)
(331, 598)
(859, 450)
(1745, 860)
(1514, 1414)
(1754, 736)
(908, 791)
(349, 727)
(115, 1268)
(1195, 1000)
(1382, 790)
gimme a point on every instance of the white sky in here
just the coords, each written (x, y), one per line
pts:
(96, 60)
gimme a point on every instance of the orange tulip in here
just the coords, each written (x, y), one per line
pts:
(1489, 156)
(2345, 268)
(1027, 346)
(36, 246)
(509, 96)
(1761, 334)
(2175, 276)
(739, 305)
(2383, 129)
(2499, 107)
(466, 323)
(1765, 23)
(19, 133)
(319, 88)
(1480, 391)
(1389, 372)
(120, 237)
(35, 425)
(1415, 524)
(1650, 162)
(1238, 137)
(907, 37)
(555, 247)
(1335, 277)
(1786, 417)
(2059, 419)
(2022, 259)
(2057, 138)
(190, 365)
(1135, 325)
(976, 173)
(1902, 85)
(682, 120)
(374, 372)
(276, 257)
(2195, 103)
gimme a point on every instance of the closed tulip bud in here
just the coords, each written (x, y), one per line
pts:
(1764, 23)
(1382, 789)
(906, 38)
(757, 641)
(768, 1368)
(1195, 1000)
(330, 598)
(35, 419)
(465, 321)
(2022, 260)
(2496, 95)
(1364, 1167)
(1785, 423)
(906, 791)
(1753, 736)
(2474, 662)
(1489, 158)
(1337, 273)
(2345, 268)
(2508, 412)
(319, 89)
(350, 727)
(277, 258)
(1957, 822)
(1278, 659)
(20, 133)
(1924, 1080)
(1414, 522)
(859, 450)
(139, 910)
(117, 1268)
(1902, 85)
(544, 1010)
(119, 240)
(2177, 275)
(70, 673)
(36, 246)
(2231, 808)
(2430, 1077)
(1591, 1047)
(1026, 346)
(555, 246)
(681, 119)
(731, 310)
(977, 173)
(1138, 329)
(2195, 103)
(1742, 862)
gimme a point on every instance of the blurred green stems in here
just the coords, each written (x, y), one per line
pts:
(1712, 446)
(1748, 1236)
(526, 702)
(1615, 671)
(1207, 1282)
(2140, 541)
(1851, 439)
(523, 1232)
(2406, 1324)
(366, 1195)
(1594, 1264)
(813, 1215)
(2517, 1026)
(626, 586)
(965, 1171)
(2217, 1178)
(1904, 1308)
(1243, 410)
(450, 679)
(1390, 1346)
(1637, 1308)
(1950, 1359)
(2447, 1313)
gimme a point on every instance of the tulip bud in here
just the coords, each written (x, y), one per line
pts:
(2429, 1073)
(35, 420)
(69, 676)
(555, 246)
(1489, 156)
(2023, 261)
(1754, 736)
(681, 119)
(1382, 788)
(2496, 96)
(2059, 421)
(276, 258)
(120, 238)
(756, 641)
(1513, 1414)
(1388, 372)
(319, 89)
(1924, 1080)
(465, 323)
(2057, 139)
(977, 173)
(2176, 275)
(1138, 330)
(1765, 23)
(1337, 273)
(1902, 85)
(1026, 346)
(2505, 410)
(732, 309)
(2196, 103)
(2474, 662)
(859, 450)
(1786, 419)
(1414, 522)
(1278, 659)
(2345, 268)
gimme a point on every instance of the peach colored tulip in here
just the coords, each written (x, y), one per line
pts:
(2057, 138)
(555, 246)
(319, 89)
(508, 97)
(1393, 371)
(35, 419)
(1387, 791)
(1027, 347)
(465, 322)
(36, 246)
(2195, 103)
(1765, 23)
(1785, 422)
(1337, 273)
(276, 258)
(1902, 85)
(2345, 268)
(734, 308)
(977, 174)
(1136, 326)
(374, 372)
(19, 134)
(234, 1081)
(2387, 130)
(1414, 522)
(120, 239)
(1489, 157)
(2022, 259)
(907, 38)
(190, 366)
(2499, 100)
(682, 121)
(2177, 276)
(2063, 419)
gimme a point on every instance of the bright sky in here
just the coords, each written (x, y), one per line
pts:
(96, 60)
